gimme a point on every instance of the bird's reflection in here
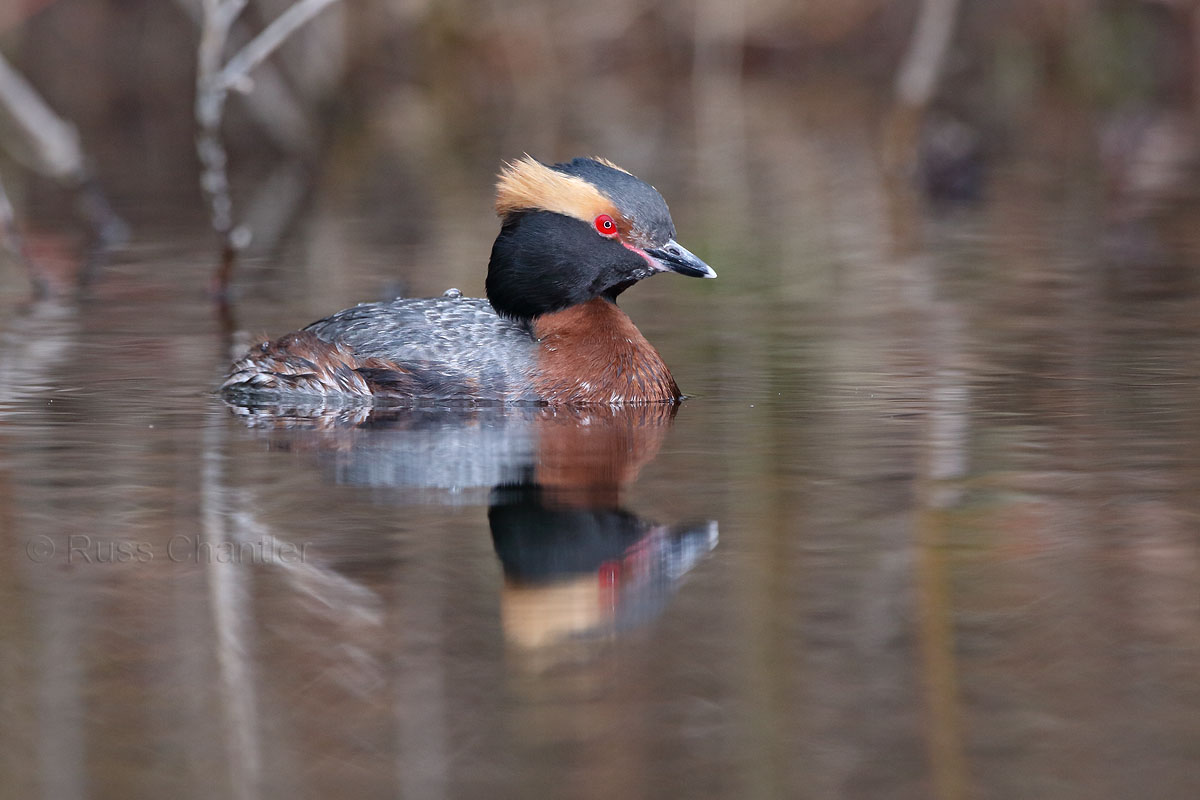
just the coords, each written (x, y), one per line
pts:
(577, 564)
(587, 568)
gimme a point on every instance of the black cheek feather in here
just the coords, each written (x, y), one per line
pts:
(544, 262)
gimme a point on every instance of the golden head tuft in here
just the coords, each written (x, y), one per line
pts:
(529, 185)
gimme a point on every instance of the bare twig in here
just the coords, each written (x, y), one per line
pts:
(51, 146)
(236, 73)
(917, 81)
(214, 81)
(923, 63)
(54, 142)
(275, 107)
(219, 15)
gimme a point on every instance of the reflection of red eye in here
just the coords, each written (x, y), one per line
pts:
(605, 225)
(609, 574)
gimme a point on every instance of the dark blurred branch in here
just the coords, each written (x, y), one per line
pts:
(214, 80)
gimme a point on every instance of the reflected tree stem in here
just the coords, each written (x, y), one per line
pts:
(917, 80)
(229, 600)
(15, 244)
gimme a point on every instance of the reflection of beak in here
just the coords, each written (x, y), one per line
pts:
(676, 258)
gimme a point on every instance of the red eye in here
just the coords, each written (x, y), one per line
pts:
(605, 225)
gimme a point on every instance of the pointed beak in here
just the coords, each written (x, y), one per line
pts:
(675, 257)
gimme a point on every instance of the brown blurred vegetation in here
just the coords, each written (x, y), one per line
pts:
(412, 97)
(123, 70)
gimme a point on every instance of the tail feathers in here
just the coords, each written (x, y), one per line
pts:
(303, 363)
(299, 362)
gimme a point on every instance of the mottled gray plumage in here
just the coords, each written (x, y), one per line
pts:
(461, 338)
(453, 347)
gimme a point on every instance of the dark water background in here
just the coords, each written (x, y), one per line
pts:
(927, 526)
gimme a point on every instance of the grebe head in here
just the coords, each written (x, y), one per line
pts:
(576, 231)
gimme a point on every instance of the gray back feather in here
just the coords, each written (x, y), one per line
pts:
(455, 339)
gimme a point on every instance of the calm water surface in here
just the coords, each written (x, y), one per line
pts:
(927, 527)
